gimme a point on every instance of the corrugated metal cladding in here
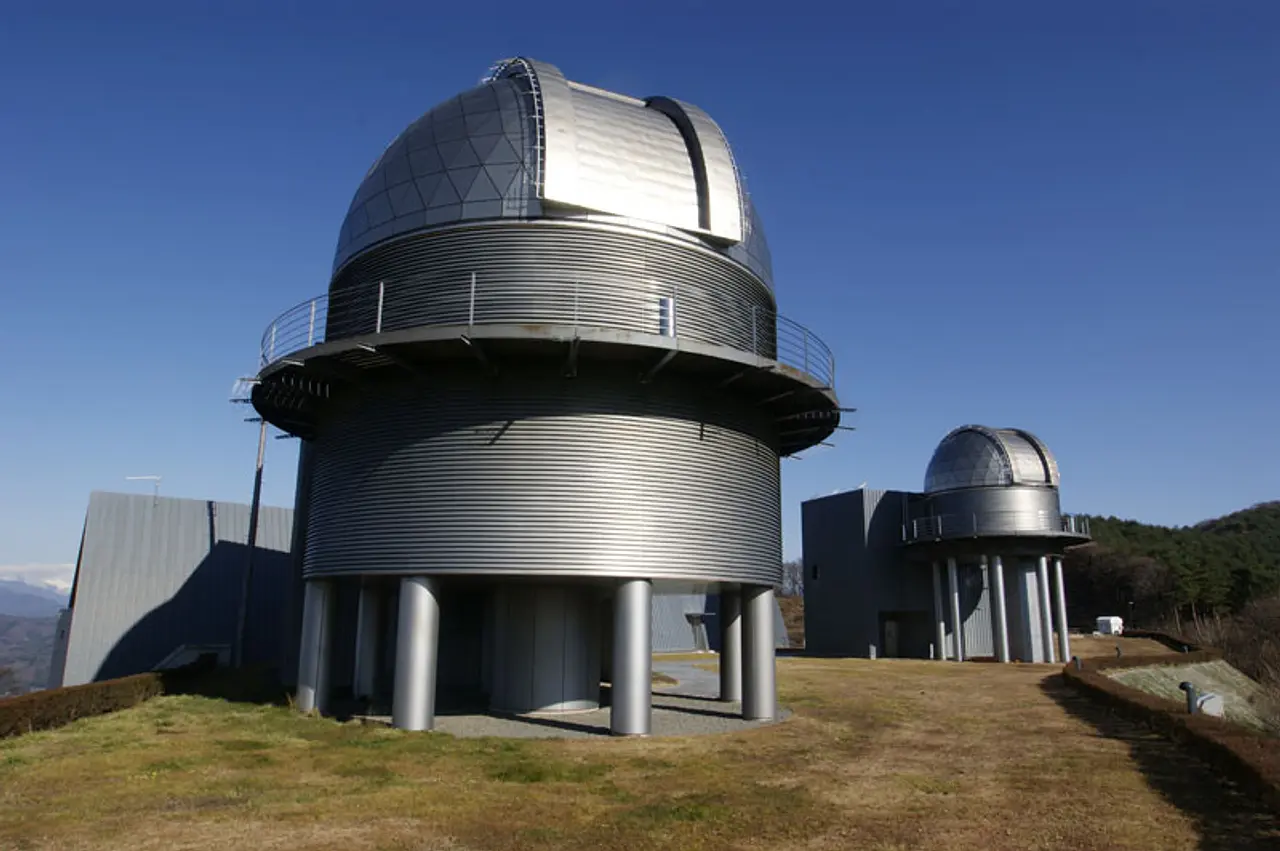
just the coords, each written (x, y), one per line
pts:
(585, 274)
(156, 573)
(975, 610)
(595, 476)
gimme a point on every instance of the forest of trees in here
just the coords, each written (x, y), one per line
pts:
(1155, 575)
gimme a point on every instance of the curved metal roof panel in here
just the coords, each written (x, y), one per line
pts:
(527, 142)
(978, 456)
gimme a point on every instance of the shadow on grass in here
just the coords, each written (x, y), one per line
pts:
(1225, 817)
(256, 685)
(343, 708)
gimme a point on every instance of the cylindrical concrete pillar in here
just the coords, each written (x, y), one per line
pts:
(413, 706)
(315, 649)
(368, 637)
(1060, 604)
(759, 686)
(999, 612)
(939, 617)
(730, 645)
(1046, 609)
(957, 626)
(630, 714)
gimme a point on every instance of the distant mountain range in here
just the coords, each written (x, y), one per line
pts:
(22, 600)
(26, 649)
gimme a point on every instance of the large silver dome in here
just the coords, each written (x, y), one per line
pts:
(527, 143)
(977, 456)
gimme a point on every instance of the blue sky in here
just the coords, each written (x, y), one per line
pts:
(1061, 217)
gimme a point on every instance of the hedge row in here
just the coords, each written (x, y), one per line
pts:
(1176, 643)
(1103, 663)
(43, 710)
(1250, 758)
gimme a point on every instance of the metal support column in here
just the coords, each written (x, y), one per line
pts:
(759, 686)
(1060, 603)
(291, 623)
(999, 613)
(251, 547)
(1046, 609)
(632, 677)
(368, 637)
(939, 617)
(317, 641)
(730, 645)
(413, 706)
(957, 626)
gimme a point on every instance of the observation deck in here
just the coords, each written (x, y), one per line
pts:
(1069, 528)
(490, 320)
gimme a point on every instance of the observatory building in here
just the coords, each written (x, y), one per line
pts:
(548, 379)
(959, 571)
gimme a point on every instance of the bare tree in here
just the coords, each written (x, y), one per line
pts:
(792, 579)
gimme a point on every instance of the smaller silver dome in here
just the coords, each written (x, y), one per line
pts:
(976, 456)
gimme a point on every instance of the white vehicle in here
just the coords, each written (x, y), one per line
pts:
(1111, 625)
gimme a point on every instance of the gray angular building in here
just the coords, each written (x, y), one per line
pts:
(969, 568)
(548, 381)
(158, 584)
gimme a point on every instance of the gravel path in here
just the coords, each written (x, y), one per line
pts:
(689, 708)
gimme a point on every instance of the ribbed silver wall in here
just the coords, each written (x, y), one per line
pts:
(560, 273)
(528, 476)
(997, 510)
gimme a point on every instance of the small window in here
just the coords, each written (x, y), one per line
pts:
(813, 571)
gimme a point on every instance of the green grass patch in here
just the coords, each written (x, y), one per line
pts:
(929, 785)
(695, 808)
(242, 744)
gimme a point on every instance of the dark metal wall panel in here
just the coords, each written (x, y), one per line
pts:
(155, 573)
(863, 579)
(529, 476)
(836, 620)
(671, 630)
(557, 273)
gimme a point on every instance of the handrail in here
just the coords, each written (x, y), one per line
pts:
(1013, 523)
(473, 299)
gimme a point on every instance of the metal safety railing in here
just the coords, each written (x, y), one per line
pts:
(937, 527)
(476, 299)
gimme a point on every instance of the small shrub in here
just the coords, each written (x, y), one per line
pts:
(43, 710)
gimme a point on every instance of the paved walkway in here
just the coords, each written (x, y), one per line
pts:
(690, 679)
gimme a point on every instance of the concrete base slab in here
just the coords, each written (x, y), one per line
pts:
(673, 715)
(689, 708)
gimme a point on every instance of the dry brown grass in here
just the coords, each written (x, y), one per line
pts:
(1104, 646)
(793, 618)
(879, 755)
